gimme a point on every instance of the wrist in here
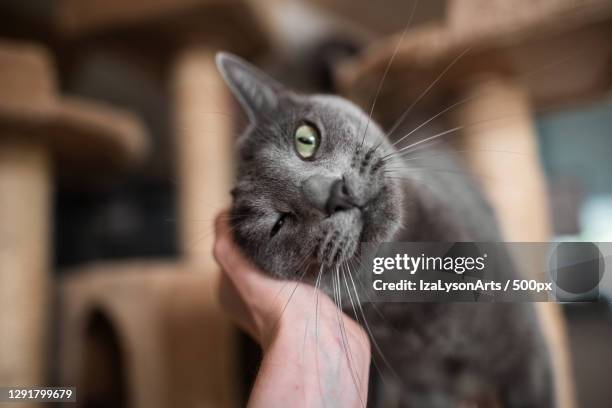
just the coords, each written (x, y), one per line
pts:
(328, 326)
(307, 348)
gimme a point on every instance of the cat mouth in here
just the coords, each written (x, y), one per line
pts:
(336, 248)
(338, 254)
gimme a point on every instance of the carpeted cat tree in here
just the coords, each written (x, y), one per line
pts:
(501, 61)
(44, 136)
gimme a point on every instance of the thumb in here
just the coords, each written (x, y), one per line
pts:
(247, 278)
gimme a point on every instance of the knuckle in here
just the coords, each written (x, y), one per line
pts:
(222, 250)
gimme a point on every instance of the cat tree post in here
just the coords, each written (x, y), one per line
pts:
(42, 135)
(204, 140)
(25, 194)
(26, 83)
(500, 145)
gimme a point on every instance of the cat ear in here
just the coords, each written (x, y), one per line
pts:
(257, 92)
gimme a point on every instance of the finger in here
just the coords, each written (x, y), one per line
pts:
(229, 256)
(221, 221)
(224, 251)
(234, 306)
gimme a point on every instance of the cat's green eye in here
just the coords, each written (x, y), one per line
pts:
(307, 141)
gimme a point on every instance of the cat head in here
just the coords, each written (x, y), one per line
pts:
(310, 184)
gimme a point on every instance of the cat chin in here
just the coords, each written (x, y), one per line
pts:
(339, 237)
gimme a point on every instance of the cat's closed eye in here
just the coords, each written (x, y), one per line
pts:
(307, 140)
(279, 224)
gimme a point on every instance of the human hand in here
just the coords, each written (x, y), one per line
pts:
(291, 320)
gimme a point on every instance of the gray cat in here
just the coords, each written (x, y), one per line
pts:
(315, 179)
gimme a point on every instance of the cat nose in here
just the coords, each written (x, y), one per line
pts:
(339, 198)
(327, 194)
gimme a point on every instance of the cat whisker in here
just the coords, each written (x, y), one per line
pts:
(426, 91)
(410, 147)
(348, 290)
(345, 265)
(204, 235)
(437, 115)
(437, 135)
(454, 105)
(367, 326)
(344, 336)
(224, 217)
(427, 146)
(377, 146)
(297, 284)
(467, 151)
(300, 264)
(388, 67)
(472, 97)
(370, 302)
(392, 154)
(316, 294)
(423, 169)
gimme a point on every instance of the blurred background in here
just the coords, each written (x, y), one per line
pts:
(116, 136)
